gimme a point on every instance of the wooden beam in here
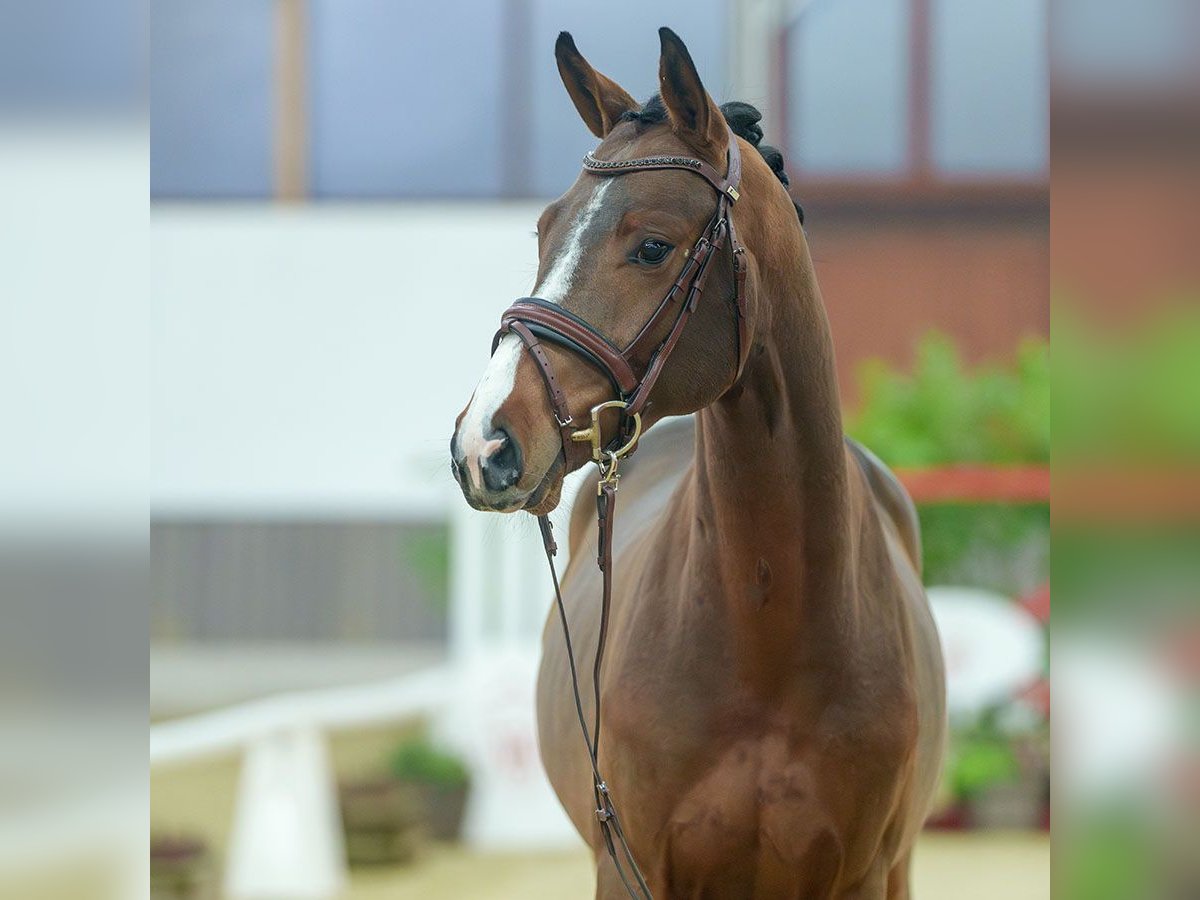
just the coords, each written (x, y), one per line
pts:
(977, 484)
(920, 91)
(291, 100)
(516, 81)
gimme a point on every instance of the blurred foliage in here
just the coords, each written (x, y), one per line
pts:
(1126, 401)
(981, 756)
(1004, 548)
(418, 759)
(943, 412)
(1098, 569)
(1125, 582)
(1127, 395)
(1108, 856)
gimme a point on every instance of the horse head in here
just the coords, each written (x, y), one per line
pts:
(618, 258)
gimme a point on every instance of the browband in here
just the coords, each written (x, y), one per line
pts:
(650, 163)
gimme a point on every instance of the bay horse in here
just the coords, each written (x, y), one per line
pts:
(774, 710)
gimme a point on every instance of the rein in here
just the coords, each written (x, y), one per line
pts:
(534, 320)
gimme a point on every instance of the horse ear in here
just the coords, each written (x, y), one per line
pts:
(600, 100)
(694, 116)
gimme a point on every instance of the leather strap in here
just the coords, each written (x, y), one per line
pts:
(611, 828)
(637, 403)
(558, 399)
(695, 258)
(539, 312)
(740, 268)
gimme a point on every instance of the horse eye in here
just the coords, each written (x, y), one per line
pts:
(653, 252)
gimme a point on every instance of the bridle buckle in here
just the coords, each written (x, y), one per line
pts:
(594, 435)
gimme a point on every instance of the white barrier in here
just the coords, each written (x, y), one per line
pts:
(286, 839)
(287, 833)
(233, 728)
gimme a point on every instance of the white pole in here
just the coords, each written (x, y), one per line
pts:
(756, 26)
(287, 829)
(753, 24)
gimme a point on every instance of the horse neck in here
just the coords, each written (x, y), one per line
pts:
(771, 481)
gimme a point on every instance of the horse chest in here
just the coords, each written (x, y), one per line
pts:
(752, 818)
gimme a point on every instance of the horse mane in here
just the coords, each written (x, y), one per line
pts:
(743, 120)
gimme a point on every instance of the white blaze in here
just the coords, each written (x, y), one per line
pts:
(494, 388)
(498, 378)
(557, 283)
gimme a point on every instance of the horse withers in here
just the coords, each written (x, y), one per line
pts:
(773, 690)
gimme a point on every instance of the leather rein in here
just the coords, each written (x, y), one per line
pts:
(533, 321)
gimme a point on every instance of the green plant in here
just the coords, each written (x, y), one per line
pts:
(1000, 547)
(981, 763)
(1127, 394)
(982, 756)
(944, 412)
(417, 759)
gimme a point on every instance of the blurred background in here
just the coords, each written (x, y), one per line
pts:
(343, 198)
(317, 170)
(342, 195)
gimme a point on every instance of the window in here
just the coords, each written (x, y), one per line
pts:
(848, 87)
(379, 99)
(989, 84)
(450, 99)
(918, 91)
(1151, 44)
(211, 98)
(405, 99)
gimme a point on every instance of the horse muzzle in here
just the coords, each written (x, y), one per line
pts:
(490, 474)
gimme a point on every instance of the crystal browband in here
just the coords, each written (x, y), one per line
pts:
(646, 162)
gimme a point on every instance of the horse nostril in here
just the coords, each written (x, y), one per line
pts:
(502, 469)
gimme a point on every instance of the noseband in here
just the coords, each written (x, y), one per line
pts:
(534, 320)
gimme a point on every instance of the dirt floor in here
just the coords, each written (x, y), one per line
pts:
(993, 866)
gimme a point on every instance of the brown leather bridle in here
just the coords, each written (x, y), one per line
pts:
(534, 320)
